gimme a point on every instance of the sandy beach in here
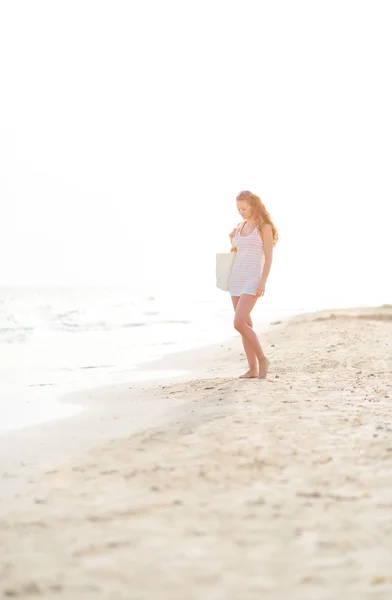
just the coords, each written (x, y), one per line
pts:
(215, 488)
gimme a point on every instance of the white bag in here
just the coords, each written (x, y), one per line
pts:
(224, 265)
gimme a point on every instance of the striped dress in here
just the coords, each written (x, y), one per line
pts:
(248, 263)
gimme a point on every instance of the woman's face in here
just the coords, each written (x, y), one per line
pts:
(244, 209)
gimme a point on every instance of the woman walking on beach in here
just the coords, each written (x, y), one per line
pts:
(254, 239)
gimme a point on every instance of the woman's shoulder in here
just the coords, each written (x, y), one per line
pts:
(238, 226)
(267, 233)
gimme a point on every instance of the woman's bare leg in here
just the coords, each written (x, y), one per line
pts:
(249, 352)
(244, 307)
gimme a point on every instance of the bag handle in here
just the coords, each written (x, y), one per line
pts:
(238, 228)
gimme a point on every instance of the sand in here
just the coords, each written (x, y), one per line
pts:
(243, 489)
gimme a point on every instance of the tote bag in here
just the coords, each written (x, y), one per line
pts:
(224, 265)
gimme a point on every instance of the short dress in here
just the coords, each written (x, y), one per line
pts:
(248, 263)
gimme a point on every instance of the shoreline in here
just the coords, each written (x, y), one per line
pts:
(38, 405)
(226, 483)
(49, 404)
(45, 443)
(40, 400)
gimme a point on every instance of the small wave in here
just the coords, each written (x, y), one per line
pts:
(97, 366)
(7, 330)
(40, 384)
(98, 326)
(10, 335)
(135, 324)
(64, 315)
(174, 322)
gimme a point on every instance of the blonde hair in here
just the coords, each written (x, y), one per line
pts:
(259, 213)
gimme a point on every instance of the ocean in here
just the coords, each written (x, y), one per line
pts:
(58, 339)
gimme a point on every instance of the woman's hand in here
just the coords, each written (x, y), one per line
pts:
(260, 291)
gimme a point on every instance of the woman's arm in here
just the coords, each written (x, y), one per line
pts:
(268, 243)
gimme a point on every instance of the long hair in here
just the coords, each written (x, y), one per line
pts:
(259, 213)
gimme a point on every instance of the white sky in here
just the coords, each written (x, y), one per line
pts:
(128, 127)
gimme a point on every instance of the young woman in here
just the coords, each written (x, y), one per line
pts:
(254, 239)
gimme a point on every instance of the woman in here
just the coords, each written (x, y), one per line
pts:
(254, 239)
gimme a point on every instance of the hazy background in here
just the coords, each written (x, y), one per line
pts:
(127, 128)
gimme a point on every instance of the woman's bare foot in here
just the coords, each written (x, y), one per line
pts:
(251, 374)
(263, 368)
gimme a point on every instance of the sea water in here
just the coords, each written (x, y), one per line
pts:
(57, 339)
